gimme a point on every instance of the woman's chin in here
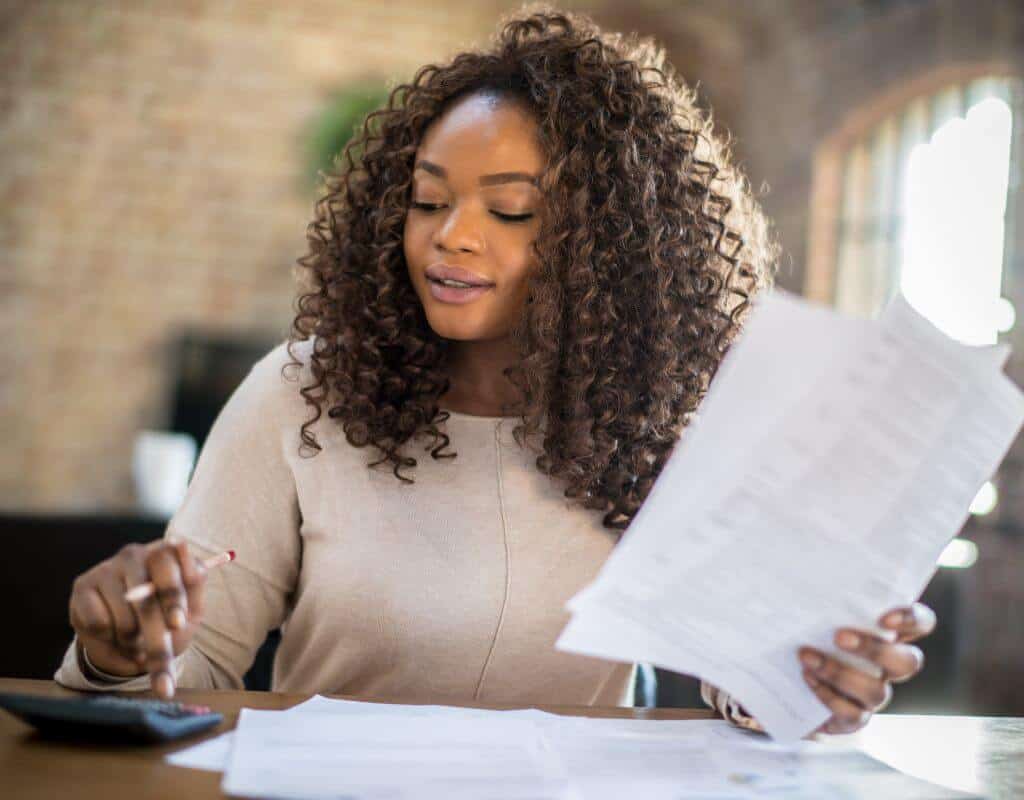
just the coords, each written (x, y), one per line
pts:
(448, 325)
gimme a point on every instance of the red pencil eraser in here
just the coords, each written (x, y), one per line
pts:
(231, 554)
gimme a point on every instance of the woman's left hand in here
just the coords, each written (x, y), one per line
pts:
(854, 695)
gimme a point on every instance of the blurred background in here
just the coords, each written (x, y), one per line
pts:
(158, 169)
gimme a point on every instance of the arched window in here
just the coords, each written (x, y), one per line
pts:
(915, 197)
(918, 193)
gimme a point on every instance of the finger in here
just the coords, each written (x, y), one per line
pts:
(847, 716)
(886, 700)
(105, 656)
(910, 622)
(159, 649)
(899, 662)
(127, 633)
(89, 614)
(867, 691)
(193, 576)
(165, 573)
(134, 574)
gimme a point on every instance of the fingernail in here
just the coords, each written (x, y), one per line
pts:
(140, 658)
(164, 685)
(811, 660)
(894, 619)
(849, 640)
(178, 619)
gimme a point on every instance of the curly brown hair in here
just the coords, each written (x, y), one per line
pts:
(650, 247)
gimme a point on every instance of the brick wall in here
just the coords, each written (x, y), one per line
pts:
(152, 178)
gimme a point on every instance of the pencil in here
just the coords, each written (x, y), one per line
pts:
(144, 590)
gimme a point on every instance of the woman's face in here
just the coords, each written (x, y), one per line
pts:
(475, 207)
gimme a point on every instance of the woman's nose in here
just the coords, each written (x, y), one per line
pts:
(460, 230)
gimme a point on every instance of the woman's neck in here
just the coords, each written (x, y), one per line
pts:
(478, 386)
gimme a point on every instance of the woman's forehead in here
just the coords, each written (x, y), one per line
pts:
(480, 136)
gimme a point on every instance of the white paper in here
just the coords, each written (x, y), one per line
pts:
(832, 461)
(713, 760)
(329, 747)
(653, 759)
(317, 755)
(212, 754)
(318, 704)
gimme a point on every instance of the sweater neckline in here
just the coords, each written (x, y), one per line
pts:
(462, 415)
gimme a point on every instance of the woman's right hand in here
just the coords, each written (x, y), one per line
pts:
(129, 639)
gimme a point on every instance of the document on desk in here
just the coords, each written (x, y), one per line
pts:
(382, 756)
(830, 463)
(332, 748)
(212, 754)
(607, 759)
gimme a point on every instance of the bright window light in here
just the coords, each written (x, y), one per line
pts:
(985, 500)
(959, 554)
(954, 209)
(1005, 315)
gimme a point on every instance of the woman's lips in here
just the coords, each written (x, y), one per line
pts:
(451, 294)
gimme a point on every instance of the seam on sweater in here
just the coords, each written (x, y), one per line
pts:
(508, 566)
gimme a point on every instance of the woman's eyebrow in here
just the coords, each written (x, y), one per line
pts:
(485, 180)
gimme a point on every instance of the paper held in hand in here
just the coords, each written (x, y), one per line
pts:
(830, 463)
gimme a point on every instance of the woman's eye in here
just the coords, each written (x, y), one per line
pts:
(428, 207)
(512, 217)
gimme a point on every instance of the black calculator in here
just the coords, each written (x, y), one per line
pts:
(110, 718)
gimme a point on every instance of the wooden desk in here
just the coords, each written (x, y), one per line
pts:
(982, 754)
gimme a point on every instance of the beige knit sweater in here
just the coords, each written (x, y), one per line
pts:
(452, 588)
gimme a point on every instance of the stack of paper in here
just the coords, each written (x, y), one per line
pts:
(831, 462)
(326, 748)
(213, 754)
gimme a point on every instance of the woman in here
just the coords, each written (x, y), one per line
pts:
(538, 255)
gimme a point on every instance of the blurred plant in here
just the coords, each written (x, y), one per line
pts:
(331, 130)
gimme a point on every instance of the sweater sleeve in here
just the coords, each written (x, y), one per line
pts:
(727, 705)
(242, 496)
